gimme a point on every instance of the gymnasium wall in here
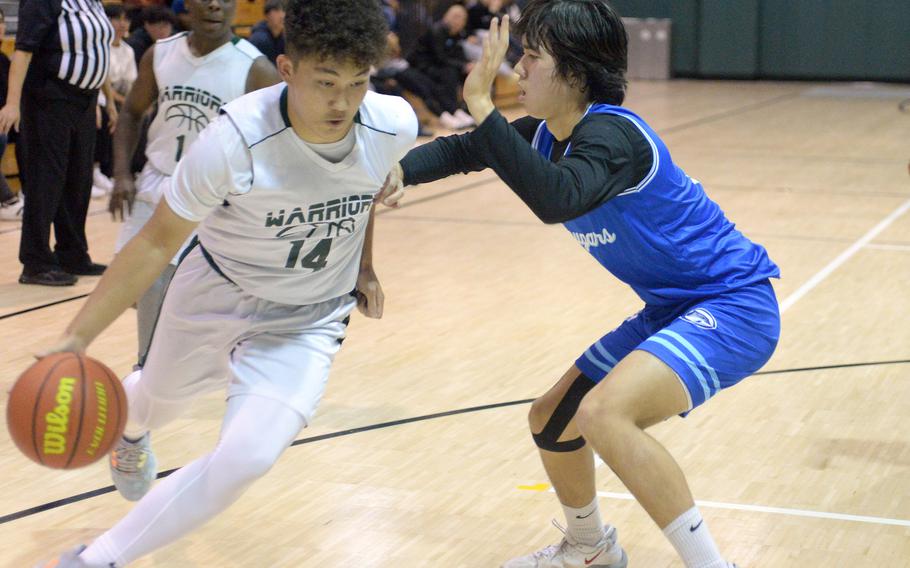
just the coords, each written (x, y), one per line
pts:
(784, 39)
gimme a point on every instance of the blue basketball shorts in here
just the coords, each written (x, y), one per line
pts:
(711, 344)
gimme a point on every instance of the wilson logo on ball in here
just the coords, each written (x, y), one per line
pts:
(57, 421)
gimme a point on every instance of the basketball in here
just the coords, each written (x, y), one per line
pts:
(66, 411)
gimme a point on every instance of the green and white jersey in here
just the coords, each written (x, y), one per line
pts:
(191, 91)
(277, 218)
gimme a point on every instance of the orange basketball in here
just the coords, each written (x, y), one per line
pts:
(66, 411)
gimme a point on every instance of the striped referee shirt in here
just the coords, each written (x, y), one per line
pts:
(70, 41)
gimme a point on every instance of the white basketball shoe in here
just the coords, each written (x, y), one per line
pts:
(570, 554)
(133, 467)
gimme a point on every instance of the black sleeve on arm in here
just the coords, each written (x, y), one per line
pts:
(443, 157)
(449, 155)
(36, 18)
(600, 165)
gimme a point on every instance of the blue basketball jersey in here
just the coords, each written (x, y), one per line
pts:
(664, 237)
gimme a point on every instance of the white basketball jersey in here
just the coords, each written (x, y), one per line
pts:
(282, 222)
(191, 91)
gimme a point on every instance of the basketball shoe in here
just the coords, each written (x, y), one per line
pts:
(133, 467)
(570, 554)
(69, 559)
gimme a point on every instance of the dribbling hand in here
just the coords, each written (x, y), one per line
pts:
(67, 343)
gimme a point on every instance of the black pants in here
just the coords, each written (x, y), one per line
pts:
(6, 194)
(104, 145)
(59, 148)
(445, 83)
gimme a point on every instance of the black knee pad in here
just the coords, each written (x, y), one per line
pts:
(562, 415)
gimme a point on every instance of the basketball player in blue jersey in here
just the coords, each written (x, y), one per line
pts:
(710, 317)
(279, 189)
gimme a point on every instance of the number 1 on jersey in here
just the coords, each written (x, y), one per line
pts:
(180, 140)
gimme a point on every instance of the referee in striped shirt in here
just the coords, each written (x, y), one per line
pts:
(60, 63)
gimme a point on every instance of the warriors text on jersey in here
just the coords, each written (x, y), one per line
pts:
(281, 221)
(191, 91)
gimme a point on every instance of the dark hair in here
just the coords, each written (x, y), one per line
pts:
(272, 5)
(353, 30)
(587, 41)
(158, 14)
(113, 11)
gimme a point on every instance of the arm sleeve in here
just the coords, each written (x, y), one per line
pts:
(217, 165)
(449, 155)
(36, 18)
(601, 164)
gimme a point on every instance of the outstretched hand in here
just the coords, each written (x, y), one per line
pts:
(480, 81)
(393, 189)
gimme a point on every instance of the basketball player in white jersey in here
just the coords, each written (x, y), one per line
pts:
(190, 75)
(280, 190)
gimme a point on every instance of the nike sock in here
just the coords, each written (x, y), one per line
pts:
(584, 524)
(692, 540)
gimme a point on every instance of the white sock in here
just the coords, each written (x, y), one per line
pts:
(133, 432)
(584, 524)
(692, 540)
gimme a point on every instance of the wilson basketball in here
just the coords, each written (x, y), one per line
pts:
(66, 411)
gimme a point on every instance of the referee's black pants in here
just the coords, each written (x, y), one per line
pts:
(59, 148)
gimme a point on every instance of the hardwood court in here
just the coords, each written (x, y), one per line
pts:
(485, 305)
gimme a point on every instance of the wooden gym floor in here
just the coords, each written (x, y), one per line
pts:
(419, 454)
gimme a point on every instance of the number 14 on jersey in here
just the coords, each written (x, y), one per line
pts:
(315, 260)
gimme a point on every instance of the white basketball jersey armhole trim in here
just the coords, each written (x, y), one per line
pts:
(248, 148)
(246, 48)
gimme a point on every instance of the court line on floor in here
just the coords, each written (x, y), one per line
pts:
(765, 509)
(843, 257)
(318, 438)
(727, 113)
(42, 306)
(897, 248)
(713, 186)
(18, 227)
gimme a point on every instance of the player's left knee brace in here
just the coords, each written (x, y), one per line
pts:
(548, 438)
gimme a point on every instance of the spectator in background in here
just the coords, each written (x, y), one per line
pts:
(10, 203)
(390, 9)
(439, 55)
(123, 69)
(52, 96)
(480, 14)
(394, 76)
(122, 73)
(268, 34)
(157, 23)
(183, 17)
